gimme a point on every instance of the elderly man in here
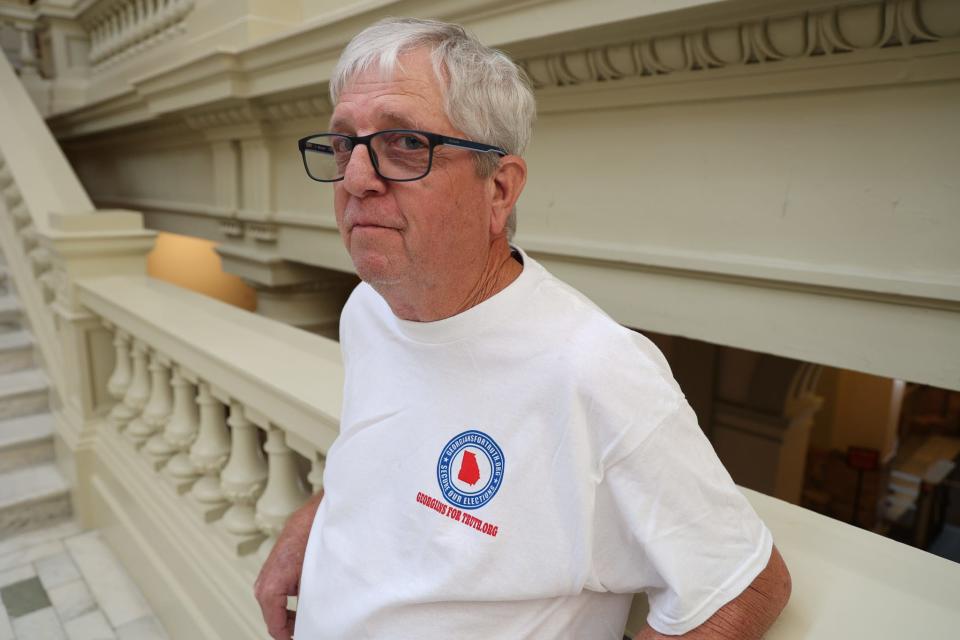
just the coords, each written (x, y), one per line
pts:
(511, 463)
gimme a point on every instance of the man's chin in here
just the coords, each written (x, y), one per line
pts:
(375, 270)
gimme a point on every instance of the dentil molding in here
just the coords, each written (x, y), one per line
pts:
(313, 106)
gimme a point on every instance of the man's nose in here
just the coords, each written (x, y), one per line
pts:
(359, 177)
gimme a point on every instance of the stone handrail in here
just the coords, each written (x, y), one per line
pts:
(33, 155)
(36, 181)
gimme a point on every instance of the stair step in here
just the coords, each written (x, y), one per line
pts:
(898, 506)
(32, 497)
(23, 393)
(16, 351)
(905, 477)
(9, 309)
(908, 489)
(26, 440)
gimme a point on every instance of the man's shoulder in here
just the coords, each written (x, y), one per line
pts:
(619, 375)
(594, 338)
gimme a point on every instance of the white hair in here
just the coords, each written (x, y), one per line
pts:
(486, 95)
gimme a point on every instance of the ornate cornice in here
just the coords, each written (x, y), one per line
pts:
(247, 113)
(224, 117)
(304, 107)
(838, 30)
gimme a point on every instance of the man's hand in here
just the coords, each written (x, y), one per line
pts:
(280, 575)
(749, 615)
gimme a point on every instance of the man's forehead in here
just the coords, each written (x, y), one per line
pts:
(386, 117)
(399, 99)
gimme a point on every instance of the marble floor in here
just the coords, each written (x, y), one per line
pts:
(63, 583)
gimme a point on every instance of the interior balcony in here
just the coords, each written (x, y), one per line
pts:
(766, 189)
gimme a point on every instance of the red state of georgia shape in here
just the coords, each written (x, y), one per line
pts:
(469, 471)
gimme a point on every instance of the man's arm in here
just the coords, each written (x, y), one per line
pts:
(749, 615)
(280, 575)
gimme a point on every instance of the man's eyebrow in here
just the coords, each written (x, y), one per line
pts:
(398, 121)
(389, 120)
(339, 124)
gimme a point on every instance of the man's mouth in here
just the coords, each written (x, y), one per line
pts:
(370, 226)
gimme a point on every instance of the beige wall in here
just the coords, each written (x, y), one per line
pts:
(860, 410)
(801, 205)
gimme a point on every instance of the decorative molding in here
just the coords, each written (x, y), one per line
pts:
(305, 107)
(262, 232)
(232, 228)
(234, 115)
(288, 65)
(941, 292)
(836, 31)
(248, 113)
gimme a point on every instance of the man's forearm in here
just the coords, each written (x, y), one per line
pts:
(749, 615)
(300, 521)
(280, 575)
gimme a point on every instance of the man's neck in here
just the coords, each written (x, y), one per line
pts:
(436, 303)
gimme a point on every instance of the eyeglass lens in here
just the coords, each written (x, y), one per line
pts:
(397, 155)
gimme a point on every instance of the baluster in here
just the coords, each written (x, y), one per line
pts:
(157, 415)
(242, 481)
(157, 409)
(11, 195)
(284, 492)
(317, 466)
(209, 453)
(120, 378)
(27, 57)
(181, 431)
(137, 393)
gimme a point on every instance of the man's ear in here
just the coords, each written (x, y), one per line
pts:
(507, 182)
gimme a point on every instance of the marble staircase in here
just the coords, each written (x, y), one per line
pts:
(33, 491)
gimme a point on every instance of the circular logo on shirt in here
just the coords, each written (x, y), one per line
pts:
(470, 470)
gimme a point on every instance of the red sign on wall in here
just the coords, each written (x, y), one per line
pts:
(863, 458)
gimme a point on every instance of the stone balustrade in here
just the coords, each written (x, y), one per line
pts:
(231, 461)
(121, 28)
(25, 231)
(229, 469)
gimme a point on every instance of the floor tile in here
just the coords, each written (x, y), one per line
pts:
(89, 626)
(33, 538)
(30, 554)
(39, 625)
(19, 574)
(6, 630)
(72, 599)
(114, 590)
(56, 570)
(147, 628)
(21, 598)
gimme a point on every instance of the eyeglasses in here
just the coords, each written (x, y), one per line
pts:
(400, 155)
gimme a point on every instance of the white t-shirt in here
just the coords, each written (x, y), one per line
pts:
(517, 471)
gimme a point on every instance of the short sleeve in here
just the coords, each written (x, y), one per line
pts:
(670, 522)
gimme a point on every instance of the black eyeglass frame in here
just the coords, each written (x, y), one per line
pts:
(435, 140)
